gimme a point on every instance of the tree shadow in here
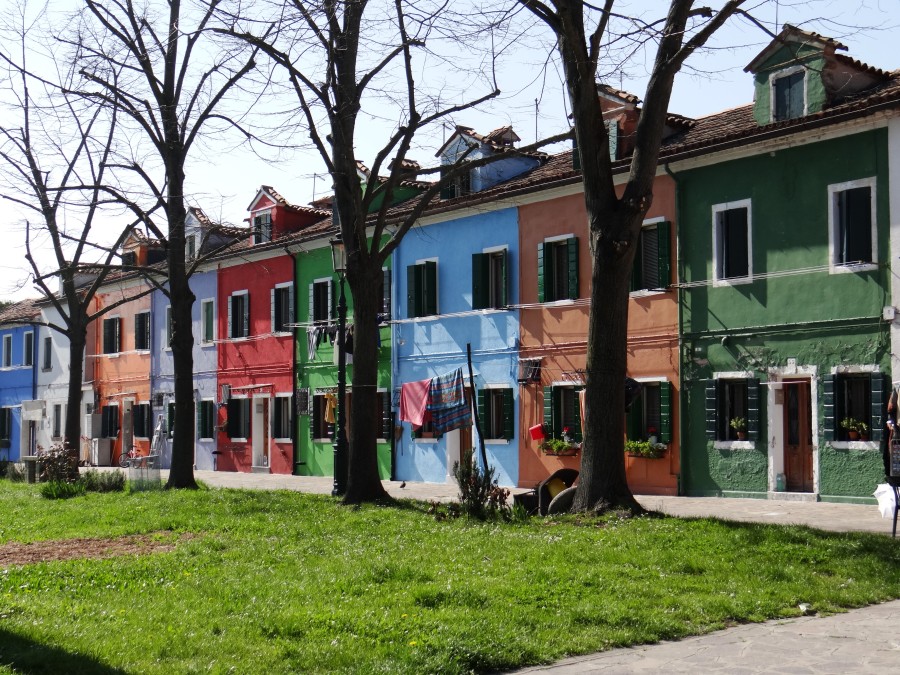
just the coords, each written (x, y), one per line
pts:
(23, 655)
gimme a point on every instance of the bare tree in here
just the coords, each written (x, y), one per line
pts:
(338, 58)
(583, 33)
(158, 67)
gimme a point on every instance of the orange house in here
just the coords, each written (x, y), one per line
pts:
(555, 277)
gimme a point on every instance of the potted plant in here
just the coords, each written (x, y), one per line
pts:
(559, 447)
(851, 426)
(645, 449)
(863, 430)
(651, 435)
(739, 424)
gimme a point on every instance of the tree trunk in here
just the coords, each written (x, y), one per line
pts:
(363, 482)
(72, 434)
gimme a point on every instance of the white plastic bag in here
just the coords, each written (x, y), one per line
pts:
(884, 493)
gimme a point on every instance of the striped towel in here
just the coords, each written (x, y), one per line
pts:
(447, 391)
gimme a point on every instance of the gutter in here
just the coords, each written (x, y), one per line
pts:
(680, 302)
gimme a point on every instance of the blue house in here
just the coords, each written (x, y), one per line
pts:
(17, 379)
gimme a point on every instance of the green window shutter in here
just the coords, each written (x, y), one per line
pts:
(663, 230)
(612, 131)
(332, 300)
(316, 410)
(548, 411)
(876, 425)
(311, 312)
(828, 387)
(412, 292)
(245, 418)
(246, 315)
(634, 419)
(509, 415)
(753, 409)
(198, 419)
(572, 248)
(576, 423)
(504, 272)
(430, 286)
(637, 267)
(541, 271)
(711, 409)
(480, 280)
(386, 421)
(665, 412)
(386, 295)
(484, 410)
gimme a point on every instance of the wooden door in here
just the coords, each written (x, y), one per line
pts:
(798, 456)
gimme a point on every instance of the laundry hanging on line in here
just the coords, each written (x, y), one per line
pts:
(441, 399)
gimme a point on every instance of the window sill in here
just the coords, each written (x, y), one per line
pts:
(852, 268)
(206, 438)
(647, 292)
(208, 343)
(427, 441)
(733, 281)
(281, 439)
(855, 445)
(237, 440)
(735, 445)
(496, 441)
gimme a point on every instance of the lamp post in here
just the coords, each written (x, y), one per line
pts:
(339, 261)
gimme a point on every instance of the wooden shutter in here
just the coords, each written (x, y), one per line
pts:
(753, 421)
(612, 132)
(484, 411)
(572, 250)
(291, 309)
(480, 280)
(386, 294)
(386, 421)
(231, 427)
(430, 288)
(876, 427)
(198, 419)
(634, 421)
(543, 263)
(274, 313)
(314, 414)
(576, 423)
(712, 408)
(665, 412)
(664, 261)
(118, 328)
(412, 291)
(548, 411)
(829, 387)
(246, 298)
(231, 316)
(509, 415)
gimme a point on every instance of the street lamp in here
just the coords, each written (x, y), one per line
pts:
(339, 262)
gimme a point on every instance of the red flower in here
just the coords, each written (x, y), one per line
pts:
(651, 430)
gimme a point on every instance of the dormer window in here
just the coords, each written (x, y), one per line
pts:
(262, 227)
(789, 95)
(190, 246)
(457, 186)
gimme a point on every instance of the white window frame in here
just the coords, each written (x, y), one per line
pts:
(774, 77)
(47, 355)
(243, 397)
(62, 421)
(203, 303)
(289, 286)
(167, 329)
(119, 346)
(149, 331)
(734, 445)
(245, 293)
(716, 210)
(27, 354)
(854, 370)
(833, 190)
(647, 224)
(152, 425)
(7, 350)
(200, 437)
(500, 385)
(281, 439)
(437, 282)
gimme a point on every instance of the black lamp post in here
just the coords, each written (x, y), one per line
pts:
(339, 261)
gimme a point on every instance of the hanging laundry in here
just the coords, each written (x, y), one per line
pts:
(330, 407)
(313, 337)
(448, 419)
(414, 402)
(447, 402)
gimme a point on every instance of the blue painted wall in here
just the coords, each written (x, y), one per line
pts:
(17, 384)
(433, 346)
(487, 176)
(203, 285)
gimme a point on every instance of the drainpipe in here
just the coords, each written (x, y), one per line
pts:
(395, 414)
(295, 373)
(680, 301)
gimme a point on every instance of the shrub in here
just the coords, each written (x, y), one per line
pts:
(4, 463)
(103, 481)
(15, 473)
(60, 489)
(479, 494)
(57, 464)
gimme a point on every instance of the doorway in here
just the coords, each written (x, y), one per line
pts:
(798, 445)
(260, 433)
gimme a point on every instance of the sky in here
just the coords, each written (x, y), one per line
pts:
(223, 178)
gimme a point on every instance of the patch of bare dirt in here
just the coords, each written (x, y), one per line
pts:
(14, 553)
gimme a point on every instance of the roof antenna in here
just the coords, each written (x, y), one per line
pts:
(776, 16)
(536, 138)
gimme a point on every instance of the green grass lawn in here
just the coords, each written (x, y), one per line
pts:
(276, 582)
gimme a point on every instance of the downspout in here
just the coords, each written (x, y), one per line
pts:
(295, 368)
(680, 302)
(395, 414)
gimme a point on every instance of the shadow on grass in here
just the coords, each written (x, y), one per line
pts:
(23, 655)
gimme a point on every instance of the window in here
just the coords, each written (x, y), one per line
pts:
(142, 331)
(651, 260)
(282, 308)
(5, 424)
(728, 398)
(321, 422)
(129, 258)
(142, 419)
(56, 432)
(262, 227)
(109, 421)
(387, 419)
(651, 413)
(497, 413)
(238, 418)
(170, 419)
(562, 409)
(169, 328)
(239, 315)
(789, 98)
(320, 299)
(851, 216)
(457, 186)
(421, 289)
(7, 351)
(281, 417)
(490, 288)
(857, 395)
(207, 321)
(48, 354)
(190, 246)
(731, 241)
(28, 349)
(206, 420)
(558, 270)
(112, 336)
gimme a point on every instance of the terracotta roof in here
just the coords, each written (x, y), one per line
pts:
(20, 312)
(492, 139)
(618, 93)
(865, 67)
(792, 34)
(201, 217)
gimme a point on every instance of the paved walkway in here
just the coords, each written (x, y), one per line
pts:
(865, 640)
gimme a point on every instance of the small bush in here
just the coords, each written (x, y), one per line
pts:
(103, 481)
(60, 489)
(15, 473)
(4, 463)
(479, 494)
(58, 464)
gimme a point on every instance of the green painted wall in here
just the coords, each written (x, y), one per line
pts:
(787, 57)
(808, 314)
(317, 458)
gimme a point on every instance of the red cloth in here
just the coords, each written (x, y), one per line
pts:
(413, 400)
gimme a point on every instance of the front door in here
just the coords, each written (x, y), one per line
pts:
(798, 456)
(260, 432)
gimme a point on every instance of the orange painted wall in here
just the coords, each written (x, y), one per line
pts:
(557, 333)
(125, 375)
